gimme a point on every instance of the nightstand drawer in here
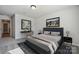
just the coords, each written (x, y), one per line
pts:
(68, 39)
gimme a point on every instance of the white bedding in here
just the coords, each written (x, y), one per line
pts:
(52, 39)
(44, 45)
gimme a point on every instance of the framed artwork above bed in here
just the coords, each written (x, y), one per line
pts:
(53, 22)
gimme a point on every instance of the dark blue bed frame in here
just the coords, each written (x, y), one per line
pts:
(56, 30)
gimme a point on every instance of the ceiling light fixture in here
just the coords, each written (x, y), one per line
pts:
(33, 6)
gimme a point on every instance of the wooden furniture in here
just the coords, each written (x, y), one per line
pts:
(66, 47)
(68, 39)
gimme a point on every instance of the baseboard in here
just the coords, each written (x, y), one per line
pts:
(75, 44)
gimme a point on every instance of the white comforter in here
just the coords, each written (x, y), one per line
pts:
(49, 41)
(52, 39)
(39, 42)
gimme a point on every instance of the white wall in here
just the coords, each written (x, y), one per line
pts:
(3, 17)
(69, 19)
(17, 23)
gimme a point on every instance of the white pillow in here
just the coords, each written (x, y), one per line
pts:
(55, 33)
(46, 32)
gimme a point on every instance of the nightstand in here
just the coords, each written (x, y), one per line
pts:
(68, 39)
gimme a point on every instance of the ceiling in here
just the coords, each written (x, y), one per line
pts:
(40, 11)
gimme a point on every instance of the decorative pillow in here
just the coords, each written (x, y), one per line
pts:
(55, 33)
(46, 32)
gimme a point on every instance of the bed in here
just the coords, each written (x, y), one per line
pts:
(46, 43)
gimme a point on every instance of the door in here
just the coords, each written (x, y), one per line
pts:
(6, 29)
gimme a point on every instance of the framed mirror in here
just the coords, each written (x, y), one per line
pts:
(26, 25)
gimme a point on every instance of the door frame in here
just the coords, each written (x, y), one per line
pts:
(5, 21)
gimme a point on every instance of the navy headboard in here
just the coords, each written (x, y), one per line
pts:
(54, 30)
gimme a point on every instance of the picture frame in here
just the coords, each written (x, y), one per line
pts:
(26, 25)
(53, 22)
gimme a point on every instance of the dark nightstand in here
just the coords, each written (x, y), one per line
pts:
(68, 39)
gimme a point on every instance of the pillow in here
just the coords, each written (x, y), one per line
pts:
(46, 32)
(55, 33)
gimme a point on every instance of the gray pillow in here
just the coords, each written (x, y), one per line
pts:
(55, 33)
(46, 32)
